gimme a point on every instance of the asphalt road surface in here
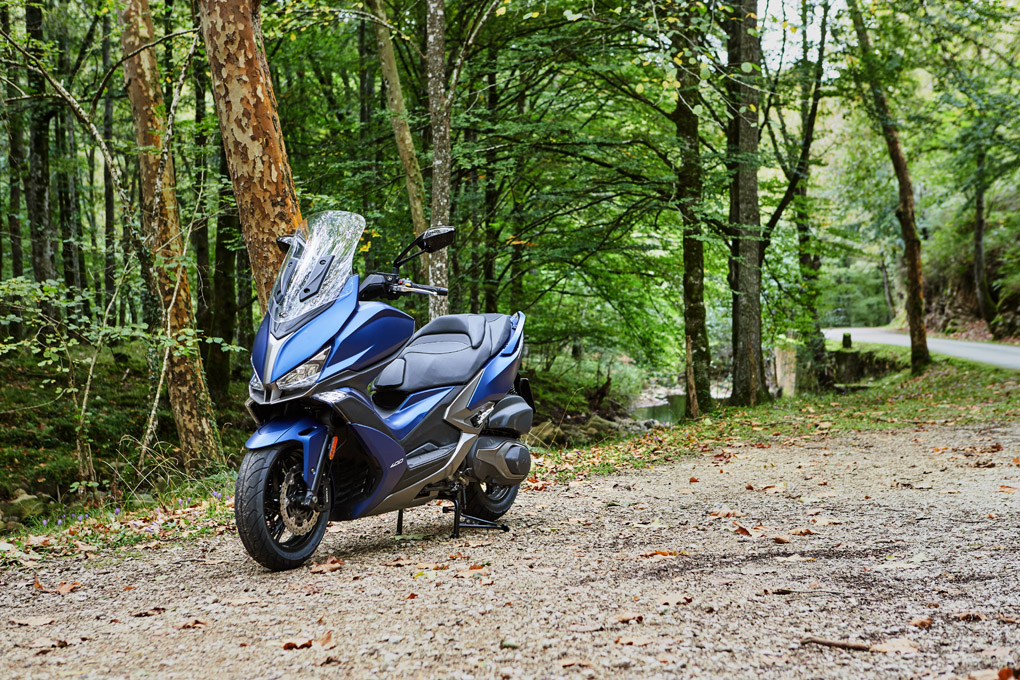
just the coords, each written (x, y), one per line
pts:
(1005, 356)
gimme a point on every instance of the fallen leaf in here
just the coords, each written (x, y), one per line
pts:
(33, 621)
(1007, 489)
(970, 616)
(84, 547)
(399, 562)
(664, 553)
(895, 646)
(150, 612)
(326, 641)
(580, 663)
(325, 661)
(825, 521)
(64, 588)
(724, 511)
(666, 657)
(412, 596)
(244, 599)
(296, 644)
(627, 617)
(45, 643)
(633, 641)
(192, 624)
(921, 621)
(802, 531)
(330, 565)
(781, 539)
(674, 599)
(694, 480)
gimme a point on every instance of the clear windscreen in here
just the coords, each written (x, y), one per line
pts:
(317, 265)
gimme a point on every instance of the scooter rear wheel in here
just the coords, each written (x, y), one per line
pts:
(489, 501)
(276, 531)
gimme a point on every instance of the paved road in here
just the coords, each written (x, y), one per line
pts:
(1005, 356)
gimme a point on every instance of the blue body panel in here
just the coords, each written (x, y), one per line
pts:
(498, 375)
(307, 431)
(390, 456)
(258, 350)
(413, 410)
(318, 331)
(373, 332)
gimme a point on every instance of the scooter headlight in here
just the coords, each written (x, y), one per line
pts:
(304, 375)
(255, 384)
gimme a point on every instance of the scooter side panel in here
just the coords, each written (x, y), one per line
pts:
(498, 375)
(413, 410)
(304, 430)
(389, 455)
(375, 331)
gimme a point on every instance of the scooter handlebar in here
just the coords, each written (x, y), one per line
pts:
(404, 285)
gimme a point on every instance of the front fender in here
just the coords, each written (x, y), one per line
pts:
(308, 432)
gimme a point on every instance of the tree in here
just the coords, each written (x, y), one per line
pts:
(267, 202)
(919, 356)
(186, 387)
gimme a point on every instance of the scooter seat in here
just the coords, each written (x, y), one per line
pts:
(447, 351)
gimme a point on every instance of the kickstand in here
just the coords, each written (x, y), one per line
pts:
(472, 522)
(400, 522)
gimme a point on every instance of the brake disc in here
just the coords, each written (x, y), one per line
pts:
(298, 518)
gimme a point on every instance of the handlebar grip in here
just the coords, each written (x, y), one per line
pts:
(432, 289)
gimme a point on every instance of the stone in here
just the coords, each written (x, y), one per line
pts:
(24, 506)
(600, 425)
(546, 434)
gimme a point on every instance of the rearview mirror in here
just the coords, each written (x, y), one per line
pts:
(437, 238)
(284, 243)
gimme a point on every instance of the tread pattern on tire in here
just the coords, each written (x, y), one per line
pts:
(478, 505)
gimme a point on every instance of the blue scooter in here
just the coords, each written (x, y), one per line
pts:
(359, 415)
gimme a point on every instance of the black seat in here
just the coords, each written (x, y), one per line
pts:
(447, 351)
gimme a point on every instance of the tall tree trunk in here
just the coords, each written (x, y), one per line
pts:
(200, 233)
(245, 331)
(109, 223)
(919, 356)
(744, 47)
(398, 117)
(224, 295)
(887, 288)
(16, 166)
(442, 156)
(812, 358)
(186, 388)
(267, 203)
(689, 187)
(986, 304)
(37, 182)
(491, 198)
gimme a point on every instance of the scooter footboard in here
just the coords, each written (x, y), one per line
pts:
(303, 430)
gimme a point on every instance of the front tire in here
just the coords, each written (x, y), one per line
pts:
(489, 501)
(259, 508)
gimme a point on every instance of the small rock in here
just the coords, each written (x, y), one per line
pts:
(507, 643)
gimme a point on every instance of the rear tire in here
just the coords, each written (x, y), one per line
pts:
(257, 509)
(489, 501)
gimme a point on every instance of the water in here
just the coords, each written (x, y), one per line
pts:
(669, 413)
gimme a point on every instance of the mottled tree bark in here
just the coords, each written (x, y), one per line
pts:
(200, 232)
(186, 387)
(689, 186)
(267, 201)
(919, 356)
(442, 155)
(745, 218)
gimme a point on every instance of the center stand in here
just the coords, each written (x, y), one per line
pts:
(459, 501)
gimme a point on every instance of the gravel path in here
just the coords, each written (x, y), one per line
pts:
(628, 576)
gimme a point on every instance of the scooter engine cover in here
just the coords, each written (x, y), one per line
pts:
(497, 460)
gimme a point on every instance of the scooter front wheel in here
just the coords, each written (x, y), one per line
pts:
(275, 527)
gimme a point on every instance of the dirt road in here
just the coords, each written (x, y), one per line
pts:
(628, 576)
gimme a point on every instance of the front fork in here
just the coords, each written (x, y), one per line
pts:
(320, 473)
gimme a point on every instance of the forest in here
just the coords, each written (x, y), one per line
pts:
(671, 191)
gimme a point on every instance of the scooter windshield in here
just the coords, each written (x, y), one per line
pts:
(317, 266)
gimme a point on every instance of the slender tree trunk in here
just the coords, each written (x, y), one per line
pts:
(398, 117)
(200, 233)
(242, 89)
(186, 388)
(812, 358)
(224, 295)
(986, 304)
(109, 222)
(442, 156)
(919, 356)
(689, 186)
(749, 386)
(245, 331)
(37, 182)
(491, 198)
(889, 301)
(16, 166)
